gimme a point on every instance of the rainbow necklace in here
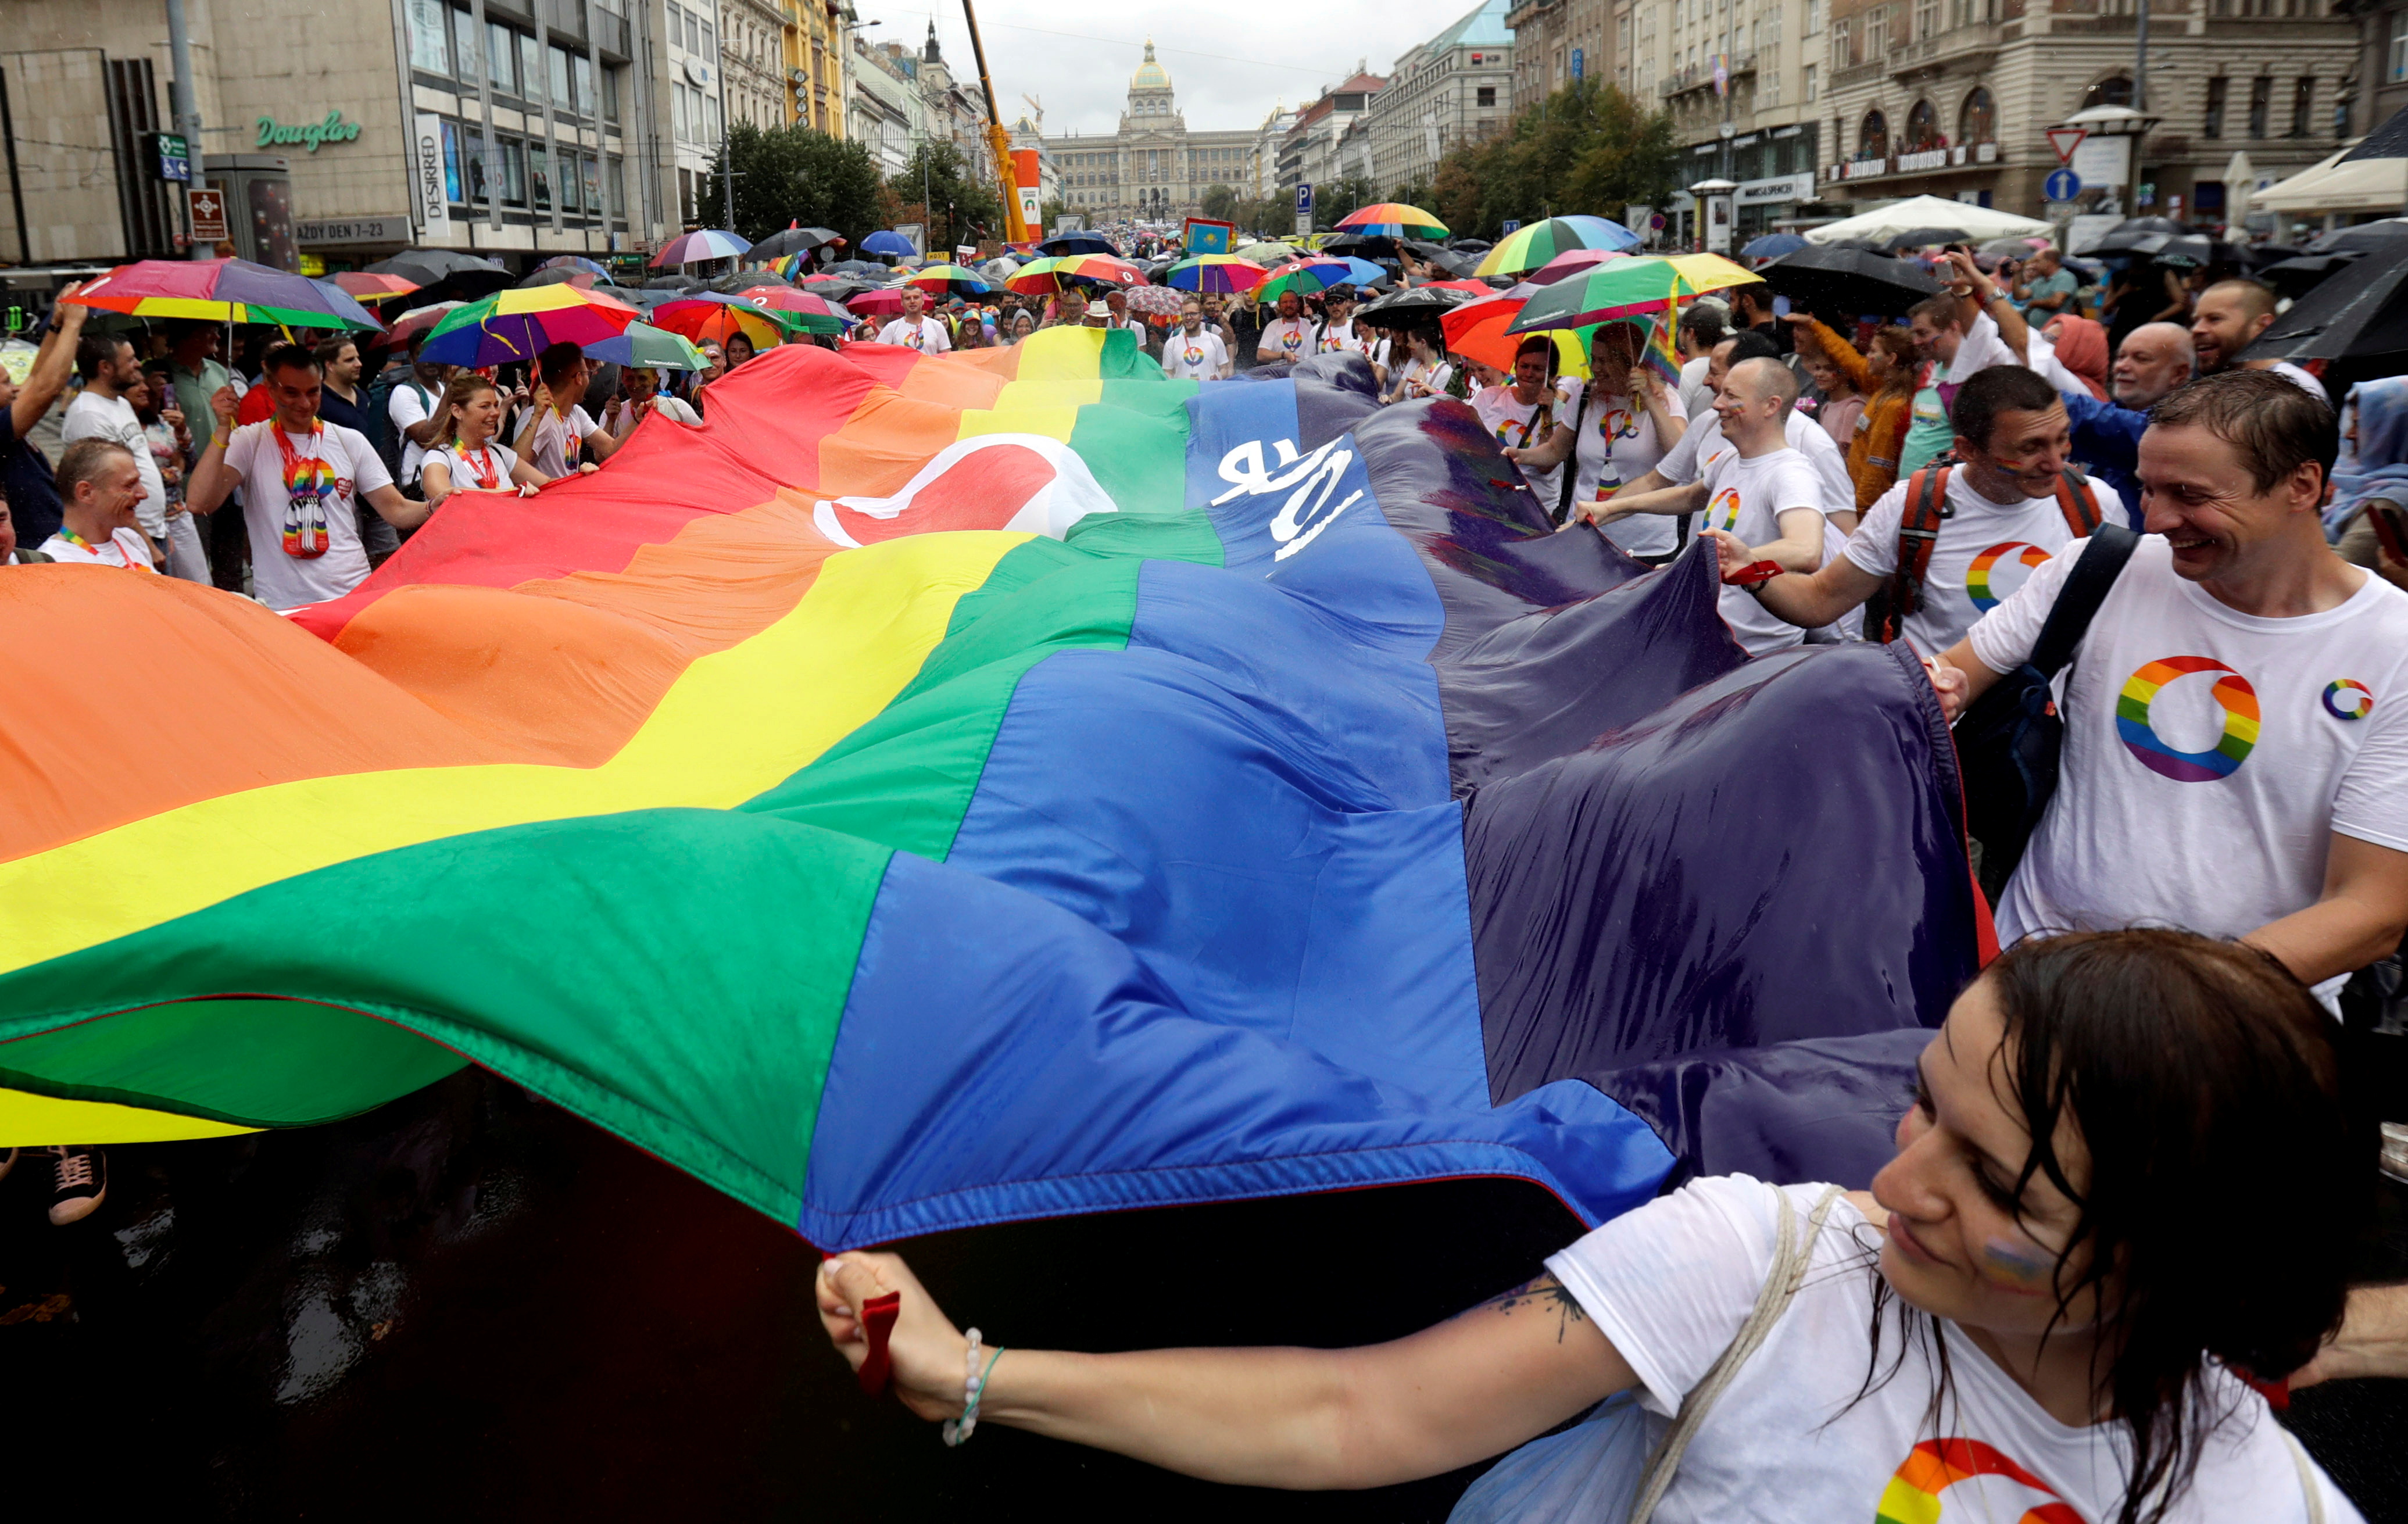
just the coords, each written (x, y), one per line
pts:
(308, 481)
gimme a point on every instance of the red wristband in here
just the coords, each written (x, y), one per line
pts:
(1754, 574)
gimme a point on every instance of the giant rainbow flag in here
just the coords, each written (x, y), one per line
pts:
(941, 790)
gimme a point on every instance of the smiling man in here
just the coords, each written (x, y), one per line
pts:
(2236, 744)
(2230, 316)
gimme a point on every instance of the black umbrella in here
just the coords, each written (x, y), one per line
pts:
(1077, 243)
(2298, 275)
(2190, 250)
(674, 282)
(2136, 236)
(744, 281)
(2364, 236)
(1413, 304)
(445, 275)
(2364, 315)
(1470, 246)
(1833, 279)
(1917, 237)
(1440, 255)
(794, 240)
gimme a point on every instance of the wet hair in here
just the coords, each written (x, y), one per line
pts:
(1756, 293)
(1747, 344)
(2273, 424)
(1941, 311)
(2202, 1076)
(1539, 344)
(287, 356)
(1777, 379)
(94, 351)
(1994, 390)
(1703, 326)
(467, 383)
(331, 350)
(558, 361)
(83, 461)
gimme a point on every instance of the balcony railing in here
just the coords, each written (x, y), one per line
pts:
(1945, 46)
(1702, 76)
(1916, 162)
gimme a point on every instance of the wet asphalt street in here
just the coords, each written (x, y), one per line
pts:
(470, 1305)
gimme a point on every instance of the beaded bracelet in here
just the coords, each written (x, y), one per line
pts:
(958, 1431)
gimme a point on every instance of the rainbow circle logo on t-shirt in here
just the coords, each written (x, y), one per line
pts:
(1727, 504)
(1934, 1466)
(2347, 698)
(2231, 691)
(1617, 423)
(1977, 576)
(1194, 354)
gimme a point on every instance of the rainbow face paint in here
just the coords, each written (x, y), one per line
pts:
(2019, 1265)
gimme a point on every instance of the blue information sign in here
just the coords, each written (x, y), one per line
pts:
(2061, 185)
(1579, 59)
(1512, 226)
(1304, 199)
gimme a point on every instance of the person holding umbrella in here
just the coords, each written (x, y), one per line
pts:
(472, 459)
(301, 479)
(554, 429)
(1623, 422)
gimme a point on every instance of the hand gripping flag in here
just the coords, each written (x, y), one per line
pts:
(942, 790)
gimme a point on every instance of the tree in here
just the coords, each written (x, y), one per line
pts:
(793, 174)
(1417, 194)
(1221, 203)
(1587, 148)
(936, 190)
(1049, 216)
(1335, 199)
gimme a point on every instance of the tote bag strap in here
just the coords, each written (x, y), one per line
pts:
(2308, 1487)
(1791, 1254)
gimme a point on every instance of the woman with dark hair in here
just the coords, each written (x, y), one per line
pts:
(739, 349)
(2043, 1308)
(1427, 371)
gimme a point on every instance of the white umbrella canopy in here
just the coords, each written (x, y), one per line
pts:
(1885, 223)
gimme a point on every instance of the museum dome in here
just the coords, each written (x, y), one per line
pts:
(1150, 75)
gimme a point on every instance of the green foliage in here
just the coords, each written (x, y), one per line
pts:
(1587, 148)
(956, 207)
(1220, 202)
(1336, 199)
(1417, 194)
(793, 174)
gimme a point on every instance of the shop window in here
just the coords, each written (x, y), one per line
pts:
(514, 172)
(540, 174)
(591, 170)
(451, 162)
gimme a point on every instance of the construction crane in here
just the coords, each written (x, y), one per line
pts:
(998, 139)
(1037, 107)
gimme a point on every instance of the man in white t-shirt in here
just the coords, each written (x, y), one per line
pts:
(101, 412)
(1194, 352)
(915, 329)
(1764, 493)
(557, 433)
(2236, 745)
(100, 499)
(2230, 316)
(2001, 518)
(1682, 467)
(301, 479)
(1288, 336)
(415, 409)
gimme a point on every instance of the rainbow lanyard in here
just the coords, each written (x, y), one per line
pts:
(130, 564)
(488, 475)
(308, 481)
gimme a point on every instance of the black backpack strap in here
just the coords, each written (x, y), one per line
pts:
(1571, 461)
(2078, 502)
(2086, 588)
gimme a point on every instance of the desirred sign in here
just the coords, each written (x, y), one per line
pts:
(208, 216)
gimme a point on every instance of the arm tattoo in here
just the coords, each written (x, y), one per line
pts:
(1545, 1295)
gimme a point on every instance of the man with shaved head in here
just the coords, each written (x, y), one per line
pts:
(2230, 316)
(1764, 495)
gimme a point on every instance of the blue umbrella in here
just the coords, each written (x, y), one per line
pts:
(1772, 246)
(887, 242)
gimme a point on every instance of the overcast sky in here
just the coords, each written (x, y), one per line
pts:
(1229, 69)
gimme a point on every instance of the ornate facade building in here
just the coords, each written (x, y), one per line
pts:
(1154, 167)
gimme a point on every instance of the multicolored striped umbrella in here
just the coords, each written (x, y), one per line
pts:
(710, 317)
(1216, 273)
(516, 325)
(810, 313)
(363, 287)
(710, 243)
(224, 291)
(1628, 288)
(1527, 248)
(1034, 279)
(641, 344)
(1573, 261)
(1476, 331)
(1306, 277)
(950, 280)
(1101, 270)
(1394, 220)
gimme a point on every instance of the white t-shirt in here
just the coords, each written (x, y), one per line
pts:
(1436, 378)
(1747, 497)
(495, 457)
(1513, 421)
(1985, 552)
(1289, 338)
(404, 405)
(1703, 445)
(1695, 400)
(2195, 733)
(1617, 444)
(926, 334)
(1337, 336)
(287, 581)
(2300, 378)
(91, 416)
(1980, 349)
(1670, 1282)
(551, 443)
(1196, 356)
(124, 548)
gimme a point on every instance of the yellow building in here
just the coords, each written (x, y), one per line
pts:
(815, 48)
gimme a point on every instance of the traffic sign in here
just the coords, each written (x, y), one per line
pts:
(2065, 141)
(2148, 196)
(2061, 185)
(1304, 207)
(1512, 225)
(208, 215)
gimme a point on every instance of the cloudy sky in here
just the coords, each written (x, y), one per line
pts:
(1229, 70)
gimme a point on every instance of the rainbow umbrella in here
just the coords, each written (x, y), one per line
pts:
(1476, 331)
(809, 313)
(1307, 276)
(710, 243)
(1217, 273)
(641, 344)
(224, 291)
(949, 280)
(1564, 265)
(1527, 248)
(711, 317)
(415, 321)
(1102, 269)
(1628, 288)
(1034, 279)
(1394, 220)
(363, 287)
(516, 325)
